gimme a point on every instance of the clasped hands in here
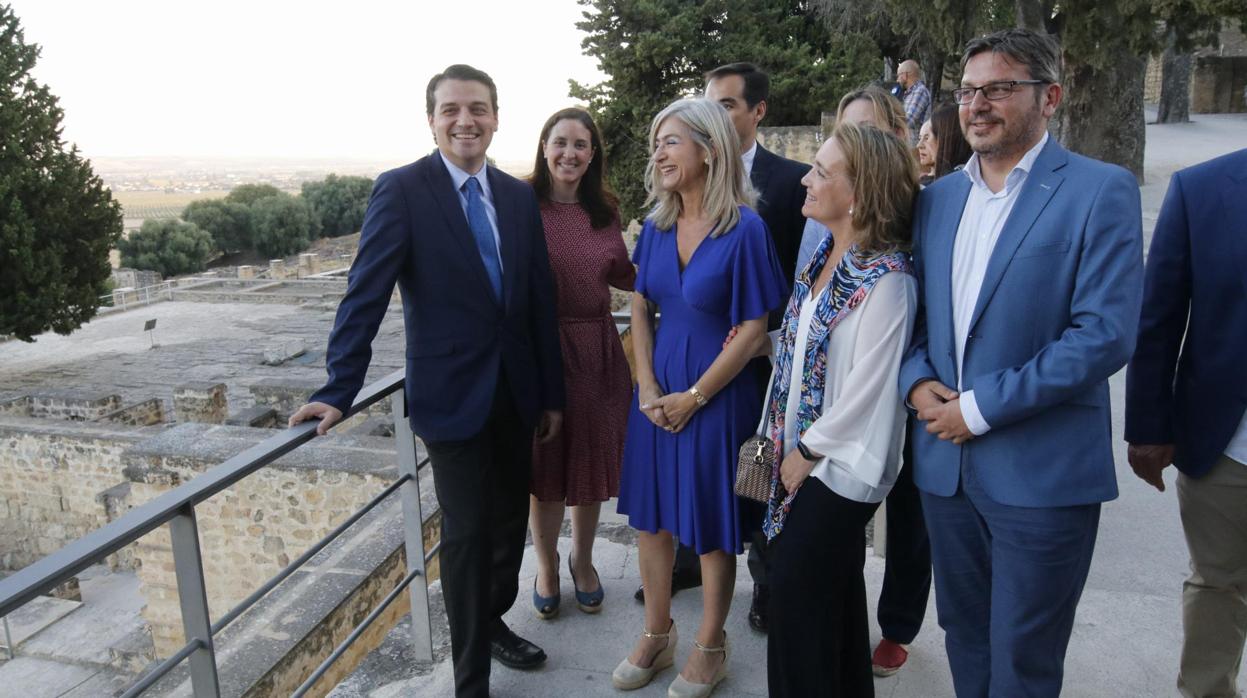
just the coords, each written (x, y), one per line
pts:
(669, 412)
(940, 407)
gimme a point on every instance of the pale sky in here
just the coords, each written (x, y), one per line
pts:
(295, 79)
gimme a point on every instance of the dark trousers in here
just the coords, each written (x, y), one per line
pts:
(1007, 583)
(907, 573)
(819, 639)
(482, 488)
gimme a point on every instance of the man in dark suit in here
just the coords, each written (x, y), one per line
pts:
(1030, 278)
(743, 89)
(1186, 390)
(465, 244)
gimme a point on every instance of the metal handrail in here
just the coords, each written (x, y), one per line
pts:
(177, 508)
(310, 553)
(51, 571)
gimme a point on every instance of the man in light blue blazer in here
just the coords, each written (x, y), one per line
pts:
(1186, 404)
(1030, 267)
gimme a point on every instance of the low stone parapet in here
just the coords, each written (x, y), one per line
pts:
(72, 404)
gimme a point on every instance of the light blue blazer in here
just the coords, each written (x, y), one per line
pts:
(1056, 316)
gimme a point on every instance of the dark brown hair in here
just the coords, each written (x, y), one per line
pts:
(594, 193)
(1038, 52)
(460, 71)
(757, 83)
(952, 147)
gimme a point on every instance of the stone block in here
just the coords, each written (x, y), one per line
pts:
(280, 353)
(200, 402)
(309, 263)
(246, 271)
(260, 417)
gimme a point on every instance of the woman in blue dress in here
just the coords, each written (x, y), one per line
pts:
(706, 263)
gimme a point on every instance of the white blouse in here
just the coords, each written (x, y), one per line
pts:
(862, 425)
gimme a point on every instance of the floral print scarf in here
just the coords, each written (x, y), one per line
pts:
(851, 281)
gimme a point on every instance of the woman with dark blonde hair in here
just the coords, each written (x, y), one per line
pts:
(706, 261)
(580, 467)
(834, 413)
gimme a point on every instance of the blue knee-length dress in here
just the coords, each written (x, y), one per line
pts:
(683, 483)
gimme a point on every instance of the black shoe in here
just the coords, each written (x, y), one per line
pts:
(514, 651)
(757, 609)
(679, 580)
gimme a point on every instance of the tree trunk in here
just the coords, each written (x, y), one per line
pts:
(1101, 115)
(1175, 85)
(1030, 15)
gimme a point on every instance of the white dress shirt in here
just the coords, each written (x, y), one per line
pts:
(860, 431)
(981, 222)
(1237, 449)
(747, 159)
(459, 177)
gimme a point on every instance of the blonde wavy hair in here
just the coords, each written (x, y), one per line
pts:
(889, 112)
(727, 186)
(884, 174)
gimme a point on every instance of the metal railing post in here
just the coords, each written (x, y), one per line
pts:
(8, 640)
(413, 526)
(193, 597)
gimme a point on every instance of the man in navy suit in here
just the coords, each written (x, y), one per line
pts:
(1186, 394)
(1030, 268)
(465, 244)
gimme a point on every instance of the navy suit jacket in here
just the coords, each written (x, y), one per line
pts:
(780, 197)
(1192, 394)
(1056, 316)
(460, 342)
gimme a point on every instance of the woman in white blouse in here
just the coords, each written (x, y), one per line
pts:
(834, 412)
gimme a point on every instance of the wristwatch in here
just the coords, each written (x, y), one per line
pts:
(806, 453)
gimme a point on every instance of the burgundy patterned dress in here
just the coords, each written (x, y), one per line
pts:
(582, 464)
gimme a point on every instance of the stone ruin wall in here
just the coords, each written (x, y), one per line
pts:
(70, 464)
(249, 532)
(58, 482)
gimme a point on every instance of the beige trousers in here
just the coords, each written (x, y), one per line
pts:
(1214, 597)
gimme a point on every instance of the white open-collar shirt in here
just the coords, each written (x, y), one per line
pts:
(982, 220)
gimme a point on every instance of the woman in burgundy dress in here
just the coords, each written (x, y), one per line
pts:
(580, 468)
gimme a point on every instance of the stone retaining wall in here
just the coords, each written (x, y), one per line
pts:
(252, 530)
(52, 476)
(140, 414)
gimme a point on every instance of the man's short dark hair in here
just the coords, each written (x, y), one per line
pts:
(757, 83)
(460, 71)
(1038, 52)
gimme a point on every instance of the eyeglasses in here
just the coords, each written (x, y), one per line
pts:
(993, 91)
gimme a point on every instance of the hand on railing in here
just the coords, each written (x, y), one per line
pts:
(328, 414)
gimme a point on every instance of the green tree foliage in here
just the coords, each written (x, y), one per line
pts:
(247, 194)
(282, 225)
(1104, 46)
(654, 51)
(229, 223)
(57, 221)
(171, 247)
(339, 203)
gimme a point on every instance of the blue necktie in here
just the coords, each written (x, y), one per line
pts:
(478, 221)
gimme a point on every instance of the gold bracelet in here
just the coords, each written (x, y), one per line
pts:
(701, 399)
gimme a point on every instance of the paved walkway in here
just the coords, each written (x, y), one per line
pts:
(1126, 636)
